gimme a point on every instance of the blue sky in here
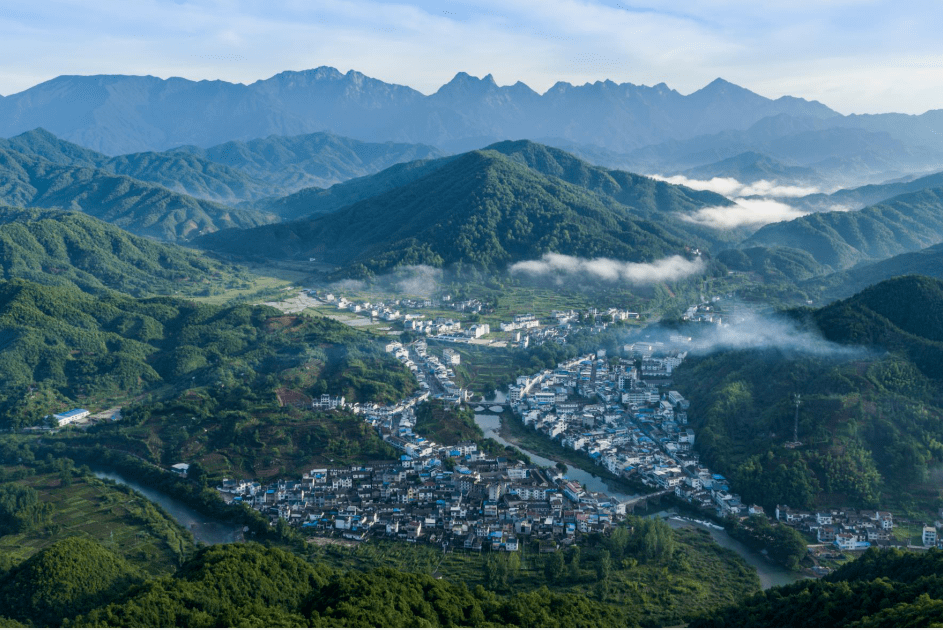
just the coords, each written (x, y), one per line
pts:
(857, 56)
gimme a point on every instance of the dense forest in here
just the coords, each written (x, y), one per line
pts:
(139, 207)
(484, 209)
(883, 589)
(870, 415)
(74, 249)
(63, 346)
(233, 584)
(238, 584)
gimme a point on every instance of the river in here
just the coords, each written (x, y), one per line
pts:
(491, 425)
(771, 574)
(204, 529)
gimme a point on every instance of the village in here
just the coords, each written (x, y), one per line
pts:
(621, 412)
(522, 331)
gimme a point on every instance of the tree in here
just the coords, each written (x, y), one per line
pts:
(554, 567)
(198, 474)
(604, 566)
(574, 569)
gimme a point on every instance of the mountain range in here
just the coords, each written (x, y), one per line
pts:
(233, 172)
(143, 208)
(620, 125)
(513, 201)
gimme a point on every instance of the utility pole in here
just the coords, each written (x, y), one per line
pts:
(796, 400)
(795, 429)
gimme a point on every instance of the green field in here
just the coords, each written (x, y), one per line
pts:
(264, 282)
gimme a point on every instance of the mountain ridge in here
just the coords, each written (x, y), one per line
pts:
(124, 114)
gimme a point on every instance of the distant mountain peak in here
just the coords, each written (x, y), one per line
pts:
(38, 133)
(463, 84)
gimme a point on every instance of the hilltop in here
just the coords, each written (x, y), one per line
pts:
(486, 209)
(71, 248)
(233, 172)
(841, 240)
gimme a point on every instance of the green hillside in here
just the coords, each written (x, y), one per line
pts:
(71, 248)
(773, 264)
(842, 240)
(179, 172)
(862, 196)
(141, 208)
(641, 196)
(926, 262)
(482, 209)
(871, 422)
(46, 145)
(64, 580)
(190, 175)
(61, 347)
(341, 587)
(882, 589)
(312, 201)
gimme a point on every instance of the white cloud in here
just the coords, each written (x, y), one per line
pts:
(750, 212)
(569, 267)
(753, 207)
(754, 331)
(730, 187)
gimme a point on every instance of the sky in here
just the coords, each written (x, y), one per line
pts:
(856, 56)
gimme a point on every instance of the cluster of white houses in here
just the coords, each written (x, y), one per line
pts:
(625, 424)
(433, 375)
(483, 502)
(444, 494)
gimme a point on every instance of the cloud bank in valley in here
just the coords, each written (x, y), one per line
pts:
(730, 187)
(752, 212)
(609, 270)
(758, 203)
(752, 331)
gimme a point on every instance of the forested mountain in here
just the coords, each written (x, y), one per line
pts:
(750, 166)
(856, 198)
(842, 240)
(926, 262)
(144, 209)
(71, 248)
(871, 416)
(234, 171)
(642, 196)
(882, 589)
(839, 151)
(65, 580)
(773, 263)
(487, 210)
(656, 577)
(61, 345)
(309, 160)
(311, 201)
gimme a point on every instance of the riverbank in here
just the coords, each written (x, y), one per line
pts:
(771, 574)
(508, 429)
(513, 430)
(204, 529)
